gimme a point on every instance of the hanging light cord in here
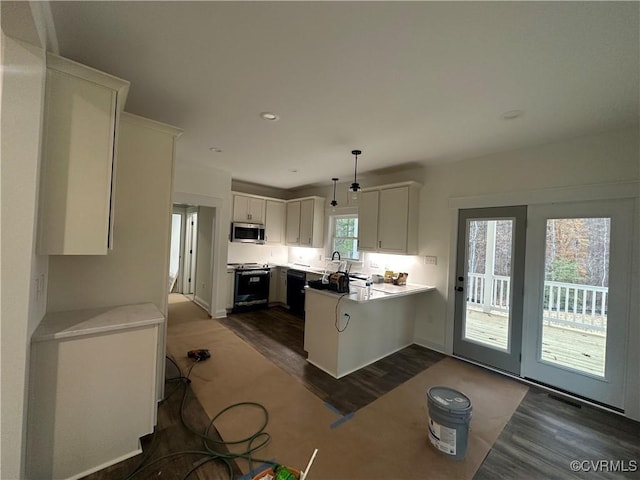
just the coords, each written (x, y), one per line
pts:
(355, 186)
(355, 170)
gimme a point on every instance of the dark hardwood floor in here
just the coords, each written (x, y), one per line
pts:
(542, 438)
(279, 336)
(545, 435)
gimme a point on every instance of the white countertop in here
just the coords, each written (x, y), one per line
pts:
(59, 325)
(295, 266)
(379, 291)
(292, 266)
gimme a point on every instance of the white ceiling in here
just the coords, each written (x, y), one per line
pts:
(405, 82)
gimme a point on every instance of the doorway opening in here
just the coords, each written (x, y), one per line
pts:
(192, 247)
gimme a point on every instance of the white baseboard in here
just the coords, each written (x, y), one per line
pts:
(221, 313)
(423, 342)
(201, 303)
(104, 465)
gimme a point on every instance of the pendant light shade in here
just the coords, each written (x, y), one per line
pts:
(355, 186)
(334, 203)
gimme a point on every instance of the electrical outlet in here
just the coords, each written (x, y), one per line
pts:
(320, 257)
(430, 260)
(373, 264)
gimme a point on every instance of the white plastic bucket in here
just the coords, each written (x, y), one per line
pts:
(449, 418)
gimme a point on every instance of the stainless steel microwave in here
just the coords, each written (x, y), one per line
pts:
(247, 232)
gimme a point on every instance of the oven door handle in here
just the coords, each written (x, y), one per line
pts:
(252, 272)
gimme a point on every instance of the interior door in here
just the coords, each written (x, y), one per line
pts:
(190, 251)
(489, 286)
(578, 274)
(175, 272)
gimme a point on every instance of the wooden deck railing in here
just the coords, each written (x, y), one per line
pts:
(567, 304)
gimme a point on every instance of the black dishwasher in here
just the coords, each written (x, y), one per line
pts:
(296, 280)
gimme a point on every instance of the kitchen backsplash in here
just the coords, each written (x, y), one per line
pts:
(372, 263)
(249, 252)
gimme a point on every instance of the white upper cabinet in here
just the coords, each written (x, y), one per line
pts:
(274, 221)
(388, 219)
(305, 222)
(82, 108)
(248, 209)
(393, 220)
(368, 221)
(292, 232)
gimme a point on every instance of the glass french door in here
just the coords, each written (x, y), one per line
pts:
(489, 286)
(576, 305)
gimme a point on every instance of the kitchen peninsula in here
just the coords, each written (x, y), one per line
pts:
(345, 332)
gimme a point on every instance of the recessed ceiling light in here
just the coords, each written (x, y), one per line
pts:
(512, 114)
(270, 116)
(215, 149)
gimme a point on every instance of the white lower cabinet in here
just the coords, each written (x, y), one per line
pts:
(92, 389)
(273, 286)
(231, 282)
(282, 285)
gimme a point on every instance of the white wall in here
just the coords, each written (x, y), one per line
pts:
(136, 270)
(204, 248)
(22, 300)
(605, 158)
(196, 184)
(247, 252)
(261, 190)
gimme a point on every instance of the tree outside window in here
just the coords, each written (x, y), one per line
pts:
(345, 236)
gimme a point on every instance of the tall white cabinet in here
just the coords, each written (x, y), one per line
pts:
(82, 109)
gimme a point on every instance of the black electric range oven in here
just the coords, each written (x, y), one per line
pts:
(251, 286)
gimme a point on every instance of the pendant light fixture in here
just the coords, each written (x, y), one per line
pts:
(355, 186)
(334, 203)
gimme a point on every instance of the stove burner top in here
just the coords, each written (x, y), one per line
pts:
(248, 266)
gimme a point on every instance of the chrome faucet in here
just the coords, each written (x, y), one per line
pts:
(333, 255)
